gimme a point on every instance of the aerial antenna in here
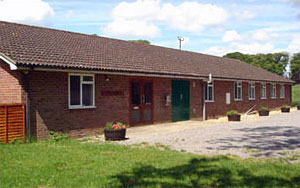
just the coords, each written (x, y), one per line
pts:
(180, 39)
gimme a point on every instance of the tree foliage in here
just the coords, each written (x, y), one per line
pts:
(295, 67)
(140, 41)
(273, 62)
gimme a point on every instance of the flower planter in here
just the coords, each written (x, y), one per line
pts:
(285, 110)
(263, 113)
(298, 107)
(236, 117)
(113, 135)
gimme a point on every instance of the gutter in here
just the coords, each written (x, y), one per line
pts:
(146, 74)
(27, 110)
(9, 61)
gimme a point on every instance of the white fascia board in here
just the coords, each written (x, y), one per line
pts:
(9, 61)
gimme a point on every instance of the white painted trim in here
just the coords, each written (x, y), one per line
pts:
(9, 61)
(265, 85)
(275, 92)
(142, 74)
(250, 84)
(241, 86)
(282, 85)
(213, 93)
(81, 82)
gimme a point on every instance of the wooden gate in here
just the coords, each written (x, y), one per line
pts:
(12, 122)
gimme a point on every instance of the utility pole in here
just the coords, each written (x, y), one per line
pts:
(180, 39)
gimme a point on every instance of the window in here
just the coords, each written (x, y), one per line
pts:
(273, 91)
(251, 91)
(282, 91)
(263, 91)
(81, 91)
(237, 91)
(209, 92)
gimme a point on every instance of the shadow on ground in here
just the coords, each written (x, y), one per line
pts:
(204, 172)
(268, 140)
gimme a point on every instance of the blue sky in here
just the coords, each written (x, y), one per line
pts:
(213, 27)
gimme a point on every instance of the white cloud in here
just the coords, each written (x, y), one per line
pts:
(231, 35)
(245, 14)
(263, 35)
(248, 48)
(29, 11)
(140, 10)
(69, 14)
(187, 16)
(192, 16)
(294, 46)
(132, 28)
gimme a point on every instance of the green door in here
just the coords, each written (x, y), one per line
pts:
(180, 100)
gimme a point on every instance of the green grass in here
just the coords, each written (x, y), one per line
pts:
(74, 164)
(296, 95)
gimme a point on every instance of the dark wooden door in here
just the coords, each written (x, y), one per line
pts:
(180, 100)
(141, 108)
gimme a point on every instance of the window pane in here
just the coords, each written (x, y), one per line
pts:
(75, 90)
(135, 93)
(87, 78)
(135, 116)
(239, 93)
(87, 94)
(210, 93)
(147, 93)
(147, 115)
(282, 92)
(235, 91)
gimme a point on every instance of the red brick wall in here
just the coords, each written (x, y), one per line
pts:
(219, 107)
(49, 104)
(11, 85)
(162, 111)
(196, 102)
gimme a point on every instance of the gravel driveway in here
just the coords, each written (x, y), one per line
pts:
(274, 136)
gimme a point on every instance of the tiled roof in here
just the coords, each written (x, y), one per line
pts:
(43, 47)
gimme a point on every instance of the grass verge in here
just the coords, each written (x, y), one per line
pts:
(296, 95)
(71, 163)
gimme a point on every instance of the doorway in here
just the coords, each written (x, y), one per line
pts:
(141, 102)
(180, 100)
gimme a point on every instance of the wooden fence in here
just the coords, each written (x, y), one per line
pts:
(12, 122)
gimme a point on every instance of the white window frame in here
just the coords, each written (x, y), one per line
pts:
(251, 86)
(207, 92)
(263, 85)
(81, 83)
(239, 85)
(282, 93)
(273, 91)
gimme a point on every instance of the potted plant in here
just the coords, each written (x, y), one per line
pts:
(115, 131)
(285, 109)
(298, 107)
(264, 111)
(233, 115)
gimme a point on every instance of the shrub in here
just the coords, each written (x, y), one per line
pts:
(57, 137)
(232, 112)
(115, 126)
(264, 108)
(285, 106)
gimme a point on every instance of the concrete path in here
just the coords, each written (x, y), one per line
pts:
(275, 136)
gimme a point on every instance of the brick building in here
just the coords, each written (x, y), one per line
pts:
(76, 83)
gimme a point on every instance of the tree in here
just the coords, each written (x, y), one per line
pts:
(295, 68)
(140, 41)
(273, 62)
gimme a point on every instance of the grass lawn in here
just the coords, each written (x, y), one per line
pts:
(74, 164)
(296, 95)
